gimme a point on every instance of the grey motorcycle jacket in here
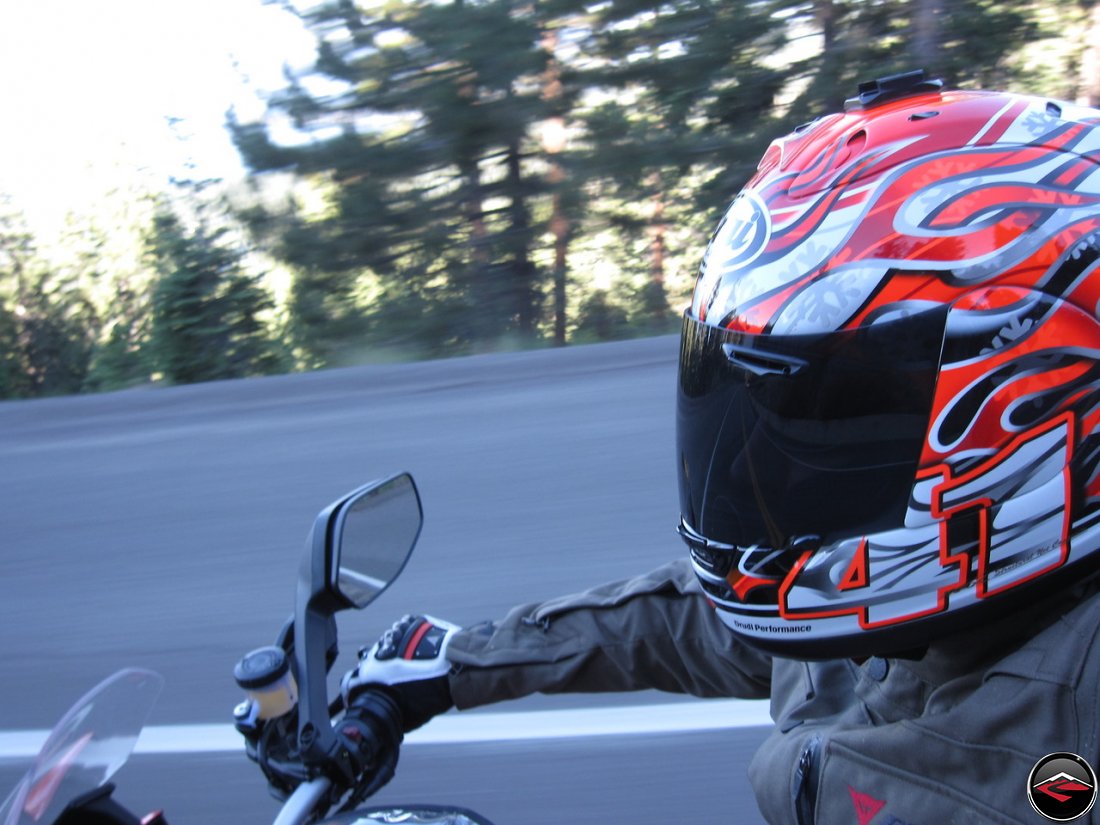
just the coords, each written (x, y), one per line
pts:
(948, 738)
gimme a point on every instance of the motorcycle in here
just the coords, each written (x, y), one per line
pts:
(357, 547)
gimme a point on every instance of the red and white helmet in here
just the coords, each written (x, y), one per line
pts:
(888, 420)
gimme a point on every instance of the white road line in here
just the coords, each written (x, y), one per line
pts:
(462, 728)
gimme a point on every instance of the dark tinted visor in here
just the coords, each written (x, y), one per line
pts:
(785, 437)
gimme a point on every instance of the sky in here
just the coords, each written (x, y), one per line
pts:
(88, 89)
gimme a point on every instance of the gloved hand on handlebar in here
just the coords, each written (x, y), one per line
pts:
(408, 663)
(370, 734)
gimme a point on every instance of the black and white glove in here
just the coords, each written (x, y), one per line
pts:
(409, 663)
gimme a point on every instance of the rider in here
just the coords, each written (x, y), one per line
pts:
(887, 453)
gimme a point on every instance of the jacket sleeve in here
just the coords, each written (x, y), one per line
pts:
(654, 631)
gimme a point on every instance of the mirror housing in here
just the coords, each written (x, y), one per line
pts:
(357, 547)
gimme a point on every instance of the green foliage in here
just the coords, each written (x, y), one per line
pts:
(600, 319)
(972, 43)
(55, 337)
(428, 175)
(118, 362)
(325, 321)
(478, 174)
(106, 269)
(47, 326)
(440, 183)
(422, 157)
(205, 322)
(11, 366)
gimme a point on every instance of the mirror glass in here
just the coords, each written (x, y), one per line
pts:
(376, 531)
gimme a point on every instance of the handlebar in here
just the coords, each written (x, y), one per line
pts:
(302, 804)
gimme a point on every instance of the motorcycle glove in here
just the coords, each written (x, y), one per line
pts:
(409, 662)
(370, 736)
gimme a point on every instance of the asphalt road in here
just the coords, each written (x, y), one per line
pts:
(163, 528)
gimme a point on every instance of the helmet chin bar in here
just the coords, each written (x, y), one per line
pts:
(1015, 613)
(956, 550)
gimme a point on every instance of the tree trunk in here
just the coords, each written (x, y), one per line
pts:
(1088, 81)
(925, 47)
(480, 271)
(828, 76)
(559, 228)
(656, 299)
(521, 285)
(553, 143)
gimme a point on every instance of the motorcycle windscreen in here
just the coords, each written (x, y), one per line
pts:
(789, 437)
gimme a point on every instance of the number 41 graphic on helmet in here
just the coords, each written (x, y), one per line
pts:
(968, 536)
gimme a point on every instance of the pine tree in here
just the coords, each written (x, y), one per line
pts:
(47, 325)
(206, 307)
(109, 268)
(424, 153)
(689, 103)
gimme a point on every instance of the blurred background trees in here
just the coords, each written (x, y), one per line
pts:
(473, 175)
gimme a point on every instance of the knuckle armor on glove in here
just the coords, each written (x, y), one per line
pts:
(410, 660)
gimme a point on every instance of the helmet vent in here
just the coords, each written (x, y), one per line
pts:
(771, 158)
(854, 145)
(762, 363)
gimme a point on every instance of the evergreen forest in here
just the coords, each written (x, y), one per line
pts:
(453, 177)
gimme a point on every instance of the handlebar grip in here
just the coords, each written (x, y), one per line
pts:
(377, 707)
(371, 732)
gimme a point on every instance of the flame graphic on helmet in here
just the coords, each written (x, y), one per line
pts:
(859, 230)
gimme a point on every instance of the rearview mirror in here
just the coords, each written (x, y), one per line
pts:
(375, 533)
(358, 546)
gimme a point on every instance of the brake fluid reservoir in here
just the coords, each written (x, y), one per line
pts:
(264, 674)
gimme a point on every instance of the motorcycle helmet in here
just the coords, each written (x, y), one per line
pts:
(889, 382)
